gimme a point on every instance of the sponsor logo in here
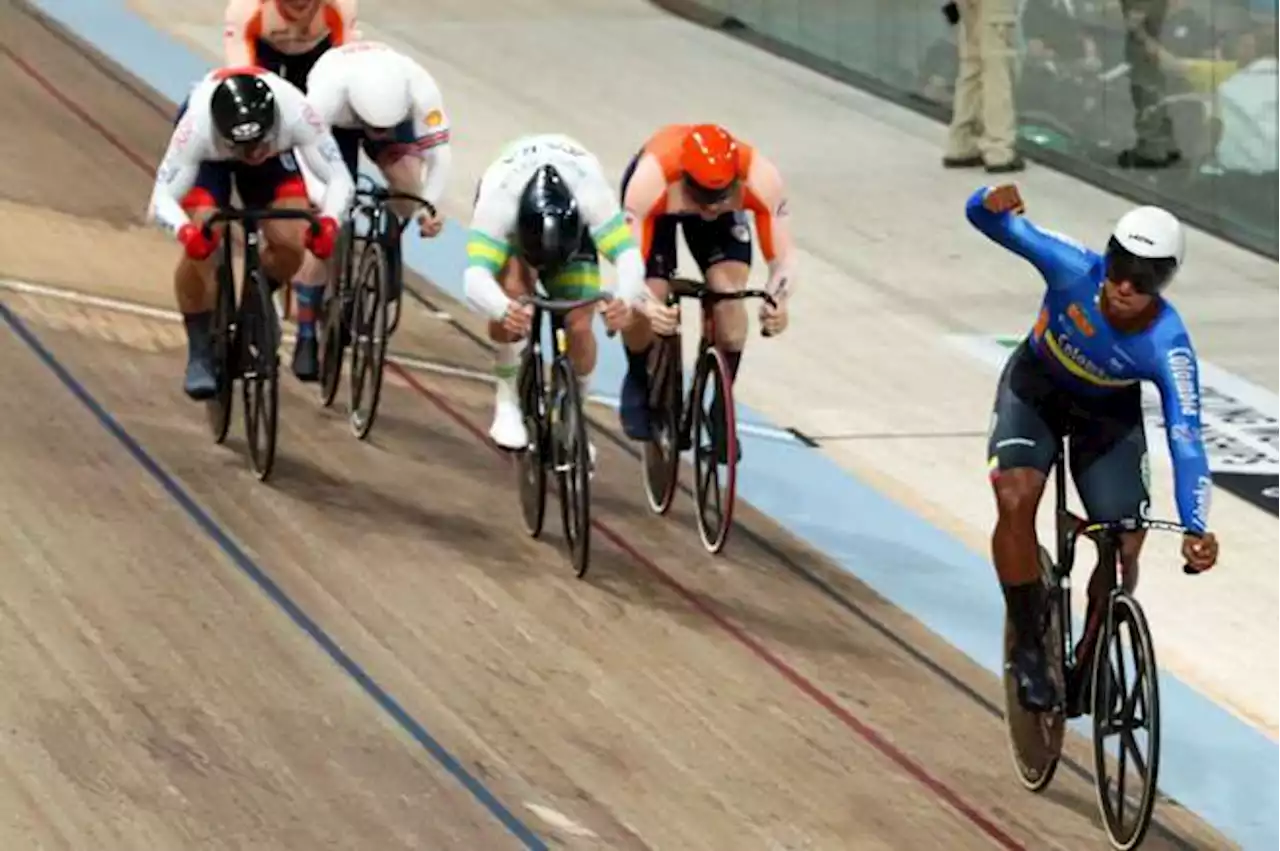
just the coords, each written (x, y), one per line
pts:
(781, 209)
(1271, 492)
(1076, 312)
(1204, 496)
(1182, 366)
(1144, 468)
(246, 131)
(1081, 360)
(434, 118)
(1183, 433)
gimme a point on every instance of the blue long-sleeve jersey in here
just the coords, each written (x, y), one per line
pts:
(1086, 355)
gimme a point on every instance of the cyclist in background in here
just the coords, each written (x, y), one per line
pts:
(1104, 327)
(544, 208)
(702, 180)
(376, 98)
(240, 126)
(286, 37)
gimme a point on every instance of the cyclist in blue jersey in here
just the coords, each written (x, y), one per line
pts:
(1104, 327)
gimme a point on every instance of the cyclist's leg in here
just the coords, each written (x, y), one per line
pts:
(580, 279)
(638, 337)
(195, 281)
(1112, 473)
(314, 274)
(277, 184)
(722, 249)
(1021, 448)
(508, 430)
(400, 161)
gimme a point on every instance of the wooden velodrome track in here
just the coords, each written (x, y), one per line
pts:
(368, 652)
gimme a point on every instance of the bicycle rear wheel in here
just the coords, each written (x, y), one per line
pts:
(369, 338)
(531, 461)
(573, 464)
(1126, 707)
(260, 386)
(661, 455)
(226, 365)
(715, 446)
(1035, 738)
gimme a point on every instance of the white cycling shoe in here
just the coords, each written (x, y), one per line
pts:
(509, 433)
(508, 429)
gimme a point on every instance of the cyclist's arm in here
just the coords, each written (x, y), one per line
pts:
(243, 25)
(176, 175)
(767, 199)
(644, 201)
(487, 251)
(431, 131)
(314, 142)
(340, 15)
(1058, 258)
(1178, 377)
(612, 234)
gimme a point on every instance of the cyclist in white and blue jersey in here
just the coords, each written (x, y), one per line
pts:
(1104, 327)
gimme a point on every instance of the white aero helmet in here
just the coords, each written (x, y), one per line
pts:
(378, 89)
(1146, 249)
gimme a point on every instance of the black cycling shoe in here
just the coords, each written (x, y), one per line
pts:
(1030, 671)
(306, 359)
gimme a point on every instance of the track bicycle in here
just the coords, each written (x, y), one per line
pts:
(1121, 694)
(557, 428)
(682, 421)
(246, 337)
(362, 304)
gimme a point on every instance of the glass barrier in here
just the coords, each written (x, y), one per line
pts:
(1203, 74)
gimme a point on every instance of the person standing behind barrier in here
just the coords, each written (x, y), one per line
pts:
(983, 121)
(1154, 146)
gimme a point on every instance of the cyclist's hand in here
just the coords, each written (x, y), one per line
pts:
(322, 244)
(430, 225)
(665, 320)
(617, 314)
(773, 319)
(194, 242)
(518, 319)
(1004, 199)
(1200, 552)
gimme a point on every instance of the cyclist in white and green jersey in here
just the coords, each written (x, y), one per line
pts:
(544, 208)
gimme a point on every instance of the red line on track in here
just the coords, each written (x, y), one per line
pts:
(764, 654)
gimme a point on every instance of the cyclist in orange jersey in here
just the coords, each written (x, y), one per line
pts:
(286, 36)
(699, 178)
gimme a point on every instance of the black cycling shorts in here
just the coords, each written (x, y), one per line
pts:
(1107, 444)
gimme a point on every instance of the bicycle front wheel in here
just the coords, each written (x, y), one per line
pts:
(225, 363)
(369, 338)
(336, 313)
(715, 450)
(531, 462)
(661, 455)
(572, 455)
(260, 386)
(1126, 723)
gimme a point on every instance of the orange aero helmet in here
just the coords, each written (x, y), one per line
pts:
(709, 160)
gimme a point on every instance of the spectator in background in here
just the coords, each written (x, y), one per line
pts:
(1249, 110)
(983, 122)
(1154, 147)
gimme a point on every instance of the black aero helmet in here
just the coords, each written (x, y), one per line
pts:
(548, 223)
(243, 109)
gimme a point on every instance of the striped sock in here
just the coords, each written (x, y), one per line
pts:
(308, 300)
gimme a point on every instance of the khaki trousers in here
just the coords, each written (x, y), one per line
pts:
(983, 119)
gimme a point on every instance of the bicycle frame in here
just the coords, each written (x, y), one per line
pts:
(1069, 527)
(682, 288)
